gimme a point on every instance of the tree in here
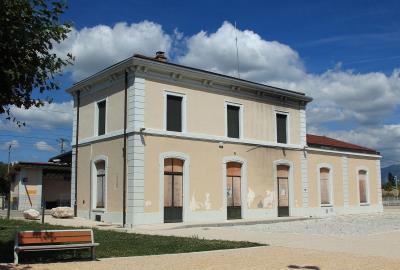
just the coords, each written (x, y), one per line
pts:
(28, 31)
(4, 186)
(391, 179)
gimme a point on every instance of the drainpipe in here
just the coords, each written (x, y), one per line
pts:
(78, 103)
(124, 151)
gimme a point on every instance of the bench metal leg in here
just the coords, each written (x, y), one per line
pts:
(15, 257)
(93, 251)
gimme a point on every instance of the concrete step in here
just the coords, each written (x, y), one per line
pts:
(236, 222)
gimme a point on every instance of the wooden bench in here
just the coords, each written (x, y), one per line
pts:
(27, 241)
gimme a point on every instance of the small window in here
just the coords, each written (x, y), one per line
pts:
(174, 113)
(281, 128)
(363, 186)
(101, 110)
(324, 175)
(233, 121)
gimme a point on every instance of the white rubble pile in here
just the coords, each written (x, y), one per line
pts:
(31, 214)
(62, 212)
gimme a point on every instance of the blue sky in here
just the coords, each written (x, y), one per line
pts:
(343, 53)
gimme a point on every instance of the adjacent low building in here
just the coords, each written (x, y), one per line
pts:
(158, 142)
(37, 182)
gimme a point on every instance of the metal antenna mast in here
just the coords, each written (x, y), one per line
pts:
(62, 141)
(237, 53)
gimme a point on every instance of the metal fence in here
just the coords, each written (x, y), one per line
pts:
(391, 200)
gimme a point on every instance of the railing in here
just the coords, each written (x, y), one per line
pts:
(391, 201)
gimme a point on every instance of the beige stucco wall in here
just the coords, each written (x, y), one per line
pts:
(113, 150)
(206, 172)
(114, 110)
(206, 114)
(354, 165)
(334, 160)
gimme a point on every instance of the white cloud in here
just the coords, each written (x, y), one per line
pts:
(6, 145)
(44, 146)
(100, 46)
(49, 116)
(260, 60)
(364, 99)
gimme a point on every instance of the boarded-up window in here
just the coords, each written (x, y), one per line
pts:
(101, 108)
(174, 113)
(233, 121)
(283, 185)
(362, 183)
(173, 182)
(325, 186)
(100, 184)
(281, 123)
(233, 183)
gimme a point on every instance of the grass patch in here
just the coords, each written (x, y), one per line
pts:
(112, 244)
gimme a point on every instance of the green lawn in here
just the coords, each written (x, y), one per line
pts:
(112, 244)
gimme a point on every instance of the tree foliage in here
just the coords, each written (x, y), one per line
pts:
(28, 31)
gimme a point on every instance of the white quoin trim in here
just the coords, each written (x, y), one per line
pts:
(186, 196)
(243, 186)
(94, 182)
(291, 183)
(330, 183)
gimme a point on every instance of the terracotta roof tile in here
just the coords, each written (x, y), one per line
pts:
(323, 141)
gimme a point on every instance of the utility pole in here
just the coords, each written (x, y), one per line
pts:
(9, 183)
(61, 141)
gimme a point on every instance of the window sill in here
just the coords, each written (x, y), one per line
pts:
(100, 210)
(326, 205)
(364, 204)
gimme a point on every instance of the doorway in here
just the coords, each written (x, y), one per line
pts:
(283, 190)
(233, 190)
(173, 190)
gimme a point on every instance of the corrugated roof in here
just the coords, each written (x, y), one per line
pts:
(327, 142)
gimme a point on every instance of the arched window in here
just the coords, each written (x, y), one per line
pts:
(100, 188)
(325, 186)
(363, 186)
(173, 189)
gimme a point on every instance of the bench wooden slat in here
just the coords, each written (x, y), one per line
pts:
(26, 238)
(56, 247)
(39, 240)
(56, 233)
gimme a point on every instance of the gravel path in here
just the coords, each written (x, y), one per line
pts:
(251, 258)
(337, 225)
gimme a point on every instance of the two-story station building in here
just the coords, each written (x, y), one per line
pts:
(205, 147)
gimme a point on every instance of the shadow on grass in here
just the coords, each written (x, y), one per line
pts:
(311, 267)
(12, 267)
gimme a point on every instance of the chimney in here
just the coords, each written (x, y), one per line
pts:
(160, 56)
